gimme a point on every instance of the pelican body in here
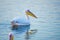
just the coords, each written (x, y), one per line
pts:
(20, 22)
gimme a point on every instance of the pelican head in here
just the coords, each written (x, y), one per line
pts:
(11, 37)
(28, 12)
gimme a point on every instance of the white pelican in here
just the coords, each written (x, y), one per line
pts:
(22, 21)
(11, 36)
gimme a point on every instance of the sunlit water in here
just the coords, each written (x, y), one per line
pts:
(47, 24)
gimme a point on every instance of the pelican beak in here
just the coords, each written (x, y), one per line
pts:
(30, 13)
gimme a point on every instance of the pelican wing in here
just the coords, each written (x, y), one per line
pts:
(30, 13)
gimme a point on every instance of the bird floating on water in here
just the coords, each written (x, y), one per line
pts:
(22, 21)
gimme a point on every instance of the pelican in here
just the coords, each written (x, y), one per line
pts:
(11, 36)
(17, 22)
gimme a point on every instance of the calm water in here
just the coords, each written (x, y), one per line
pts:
(47, 24)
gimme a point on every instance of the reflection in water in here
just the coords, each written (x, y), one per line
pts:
(20, 29)
(24, 28)
(27, 35)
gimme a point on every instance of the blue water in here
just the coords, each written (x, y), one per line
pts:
(47, 24)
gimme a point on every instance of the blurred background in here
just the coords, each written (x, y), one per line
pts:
(47, 24)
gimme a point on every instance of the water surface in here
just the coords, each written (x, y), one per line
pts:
(47, 24)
